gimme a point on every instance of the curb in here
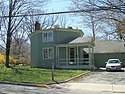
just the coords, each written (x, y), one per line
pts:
(78, 76)
(25, 84)
(71, 79)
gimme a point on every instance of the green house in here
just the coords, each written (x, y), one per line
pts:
(65, 48)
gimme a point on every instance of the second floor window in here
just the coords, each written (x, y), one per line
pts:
(47, 37)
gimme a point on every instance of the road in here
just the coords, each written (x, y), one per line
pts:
(97, 83)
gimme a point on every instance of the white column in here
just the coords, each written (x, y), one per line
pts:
(90, 57)
(66, 56)
(58, 55)
(77, 55)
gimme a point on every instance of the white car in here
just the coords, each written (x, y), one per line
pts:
(113, 64)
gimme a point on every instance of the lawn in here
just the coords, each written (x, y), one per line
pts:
(35, 75)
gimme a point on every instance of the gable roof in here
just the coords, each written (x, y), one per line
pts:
(111, 46)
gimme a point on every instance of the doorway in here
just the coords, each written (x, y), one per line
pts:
(72, 55)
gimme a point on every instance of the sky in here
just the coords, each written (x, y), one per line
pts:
(58, 5)
(63, 5)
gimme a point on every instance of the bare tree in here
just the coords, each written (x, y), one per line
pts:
(64, 21)
(120, 29)
(46, 21)
(89, 19)
(12, 8)
(102, 12)
(20, 49)
(49, 21)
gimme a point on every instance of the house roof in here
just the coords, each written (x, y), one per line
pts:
(112, 46)
(56, 29)
(80, 40)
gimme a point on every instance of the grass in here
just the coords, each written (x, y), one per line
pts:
(35, 75)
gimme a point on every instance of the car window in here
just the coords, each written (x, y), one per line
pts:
(113, 61)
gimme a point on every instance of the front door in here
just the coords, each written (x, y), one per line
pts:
(72, 55)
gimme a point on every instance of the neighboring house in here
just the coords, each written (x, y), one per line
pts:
(105, 50)
(65, 48)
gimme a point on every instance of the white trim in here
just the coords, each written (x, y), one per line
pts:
(77, 55)
(67, 56)
(58, 56)
(48, 53)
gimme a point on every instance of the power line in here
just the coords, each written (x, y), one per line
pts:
(52, 13)
(64, 12)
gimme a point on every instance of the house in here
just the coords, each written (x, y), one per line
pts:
(67, 48)
(64, 47)
(104, 50)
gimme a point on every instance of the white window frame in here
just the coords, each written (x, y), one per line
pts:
(47, 39)
(49, 55)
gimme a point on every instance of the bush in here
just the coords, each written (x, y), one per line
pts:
(2, 59)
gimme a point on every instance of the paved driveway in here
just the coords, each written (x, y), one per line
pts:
(104, 77)
(112, 82)
(97, 83)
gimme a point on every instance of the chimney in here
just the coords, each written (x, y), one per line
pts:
(37, 25)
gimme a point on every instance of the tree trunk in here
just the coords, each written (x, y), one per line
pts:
(8, 50)
(93, 26)
(8, 41)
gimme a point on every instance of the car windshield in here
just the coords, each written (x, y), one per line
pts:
(113, 61)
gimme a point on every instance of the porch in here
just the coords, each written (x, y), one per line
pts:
(75, 56)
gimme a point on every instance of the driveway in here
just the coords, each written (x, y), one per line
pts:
(112, 82)
(104, 77)
(97, 83)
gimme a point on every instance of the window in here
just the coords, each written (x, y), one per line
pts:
(47, 36)
(48, 53)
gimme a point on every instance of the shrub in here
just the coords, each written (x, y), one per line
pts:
(2, 59)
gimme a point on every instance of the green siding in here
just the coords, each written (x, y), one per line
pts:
(101, 58)
(34, 51)
(65, 36)
(62, 53)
